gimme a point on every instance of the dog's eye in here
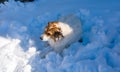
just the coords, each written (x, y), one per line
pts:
(48, 33)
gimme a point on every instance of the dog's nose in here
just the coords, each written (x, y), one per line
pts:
(41, 38)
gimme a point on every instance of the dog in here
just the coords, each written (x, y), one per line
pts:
(62, 33)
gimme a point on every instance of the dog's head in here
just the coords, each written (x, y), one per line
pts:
(52, 31)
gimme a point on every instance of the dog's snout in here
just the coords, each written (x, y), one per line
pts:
(41, 38)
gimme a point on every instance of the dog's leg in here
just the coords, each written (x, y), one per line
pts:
(61, 54)
(47, 44)
(67, 46)
(45, 52)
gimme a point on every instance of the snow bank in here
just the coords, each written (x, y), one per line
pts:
(21, 25)
(12, 57)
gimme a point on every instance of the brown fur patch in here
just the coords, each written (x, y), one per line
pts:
(53, 31)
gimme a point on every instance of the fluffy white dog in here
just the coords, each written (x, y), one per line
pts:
(62, 33)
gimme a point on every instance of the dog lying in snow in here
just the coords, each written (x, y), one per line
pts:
(62, 33)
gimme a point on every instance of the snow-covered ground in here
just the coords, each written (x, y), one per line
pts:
(22, 24)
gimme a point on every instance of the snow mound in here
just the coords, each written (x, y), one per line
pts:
(12, 57)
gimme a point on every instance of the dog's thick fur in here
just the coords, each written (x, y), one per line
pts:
(62, 33)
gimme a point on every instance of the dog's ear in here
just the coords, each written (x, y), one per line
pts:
(54, 22)
(58, 34)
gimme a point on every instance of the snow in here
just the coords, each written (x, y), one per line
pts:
(12, 57)
(21, 24)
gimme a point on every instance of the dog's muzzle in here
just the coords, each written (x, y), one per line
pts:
(44, 37)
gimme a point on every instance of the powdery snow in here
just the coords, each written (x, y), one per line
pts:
(22, 24)
(12, 57)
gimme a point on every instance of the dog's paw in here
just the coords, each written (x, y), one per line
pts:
(42, 55)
